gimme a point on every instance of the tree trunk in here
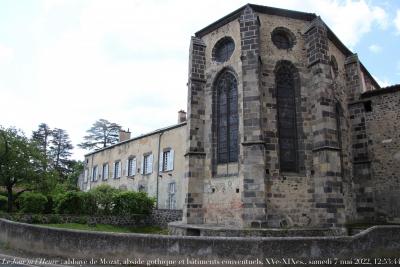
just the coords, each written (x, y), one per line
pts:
(10, 199)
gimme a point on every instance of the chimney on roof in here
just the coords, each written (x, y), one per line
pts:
(124, 135)
(181, 116)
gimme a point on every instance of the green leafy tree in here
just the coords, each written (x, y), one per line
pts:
(21, 164)
(102, 134)
(75, 168)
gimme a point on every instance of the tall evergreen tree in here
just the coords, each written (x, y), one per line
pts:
(102, 134)
(60, 151)
(42, 137)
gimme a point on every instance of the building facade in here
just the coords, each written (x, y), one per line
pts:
(150, 163)
(279, 130)
(285, 128)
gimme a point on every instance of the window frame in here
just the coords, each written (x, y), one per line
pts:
(131, 168)
(105, 175)
(145, 164)
(117, 172)
(166, 160)
(226, 86)
(86, 175)
(223, 49)
(285, 68)
(94, 173)
(172, 196)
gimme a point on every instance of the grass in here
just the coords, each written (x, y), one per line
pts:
(111, 228)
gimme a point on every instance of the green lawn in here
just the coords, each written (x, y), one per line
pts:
(111, 228)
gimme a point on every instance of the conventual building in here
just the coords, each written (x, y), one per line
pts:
(285, 128)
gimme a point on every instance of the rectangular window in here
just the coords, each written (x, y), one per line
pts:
(166, 162)
(147, 165)
(85, 178)
(94, 174)
(171, 196)
(105, 171)
(131, 166)
(117, 169)
(166, 155)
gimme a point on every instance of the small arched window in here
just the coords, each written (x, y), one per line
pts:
(227, 118)
(285, 88)
(223, 49)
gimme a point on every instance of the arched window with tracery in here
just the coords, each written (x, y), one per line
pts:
(286, 104)
(227, 118)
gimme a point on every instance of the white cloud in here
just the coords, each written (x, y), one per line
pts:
(6, 54)
(382, 82)
(126, 61)
(350, 20)
(397, 21)
(374, 48)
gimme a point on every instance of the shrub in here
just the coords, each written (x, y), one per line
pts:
(31, 202)
(77, 203)
(3, 203)
(49, 207)
(70, 203)
(89, 204)
(55, 218)
(103, 195)
(132, 203)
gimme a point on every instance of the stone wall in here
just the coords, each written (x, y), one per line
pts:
(378, 241)
(376, 124)
(159, 218)
(255, 192)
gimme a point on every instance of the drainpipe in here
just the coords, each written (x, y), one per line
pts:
(158, 166)
(90, 174)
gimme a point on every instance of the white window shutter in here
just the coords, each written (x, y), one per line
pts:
(134, 166)
(151, 163)
(142, 169)
(160, 162)
(170, 162)
(127, 168)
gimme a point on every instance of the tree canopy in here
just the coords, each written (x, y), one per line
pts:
(56, 145)
(102, 134)
(21, 163)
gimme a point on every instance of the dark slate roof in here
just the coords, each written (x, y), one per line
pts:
(284, 13)
(384, 90)
(139, 137)
(257, 8)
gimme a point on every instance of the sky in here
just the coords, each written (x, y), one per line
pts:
(68, 63)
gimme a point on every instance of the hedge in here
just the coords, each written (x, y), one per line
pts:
(3, 203)
(31, 202)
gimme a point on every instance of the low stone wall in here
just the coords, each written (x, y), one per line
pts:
(181, 229)
(156, 218)
(376, 242)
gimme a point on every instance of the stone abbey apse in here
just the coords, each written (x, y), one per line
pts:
(285, 128)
